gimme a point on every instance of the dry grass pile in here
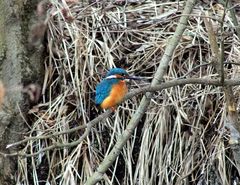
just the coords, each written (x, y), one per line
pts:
(180, 140)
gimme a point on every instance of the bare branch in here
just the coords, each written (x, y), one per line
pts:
(133, 93)
(107, 162)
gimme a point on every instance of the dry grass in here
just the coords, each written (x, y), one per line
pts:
(180, 140)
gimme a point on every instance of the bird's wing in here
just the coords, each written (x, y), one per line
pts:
(102, 91)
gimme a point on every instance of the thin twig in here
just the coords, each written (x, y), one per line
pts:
(60, 145)
(133, 93)
(158, 77)
(222, 43)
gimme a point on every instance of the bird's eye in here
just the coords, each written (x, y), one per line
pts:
(123, 74)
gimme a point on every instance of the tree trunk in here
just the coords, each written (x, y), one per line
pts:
(18, 66)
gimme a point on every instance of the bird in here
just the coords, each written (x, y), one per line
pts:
(112, 89)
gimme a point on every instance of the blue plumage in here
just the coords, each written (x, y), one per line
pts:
(116, 71)
(103, 89)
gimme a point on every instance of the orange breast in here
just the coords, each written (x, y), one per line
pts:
(116, 95)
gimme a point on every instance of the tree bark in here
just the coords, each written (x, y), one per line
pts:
(18, 66)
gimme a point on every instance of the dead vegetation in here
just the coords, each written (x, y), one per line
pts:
(180, 140)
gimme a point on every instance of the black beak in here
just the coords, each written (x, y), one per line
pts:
(133, 78)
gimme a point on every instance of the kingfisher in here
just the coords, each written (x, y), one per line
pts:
(112, 89)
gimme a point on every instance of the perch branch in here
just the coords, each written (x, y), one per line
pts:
(133, 93)
(158, 77)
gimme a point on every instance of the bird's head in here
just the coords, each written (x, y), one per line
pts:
(120, 74)
(117, 73)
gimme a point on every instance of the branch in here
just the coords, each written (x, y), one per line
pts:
(222, 44)
(158, 77)
(133, 93)
(47, 136)
(231, 121)
(218, 63)
(59, 145)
